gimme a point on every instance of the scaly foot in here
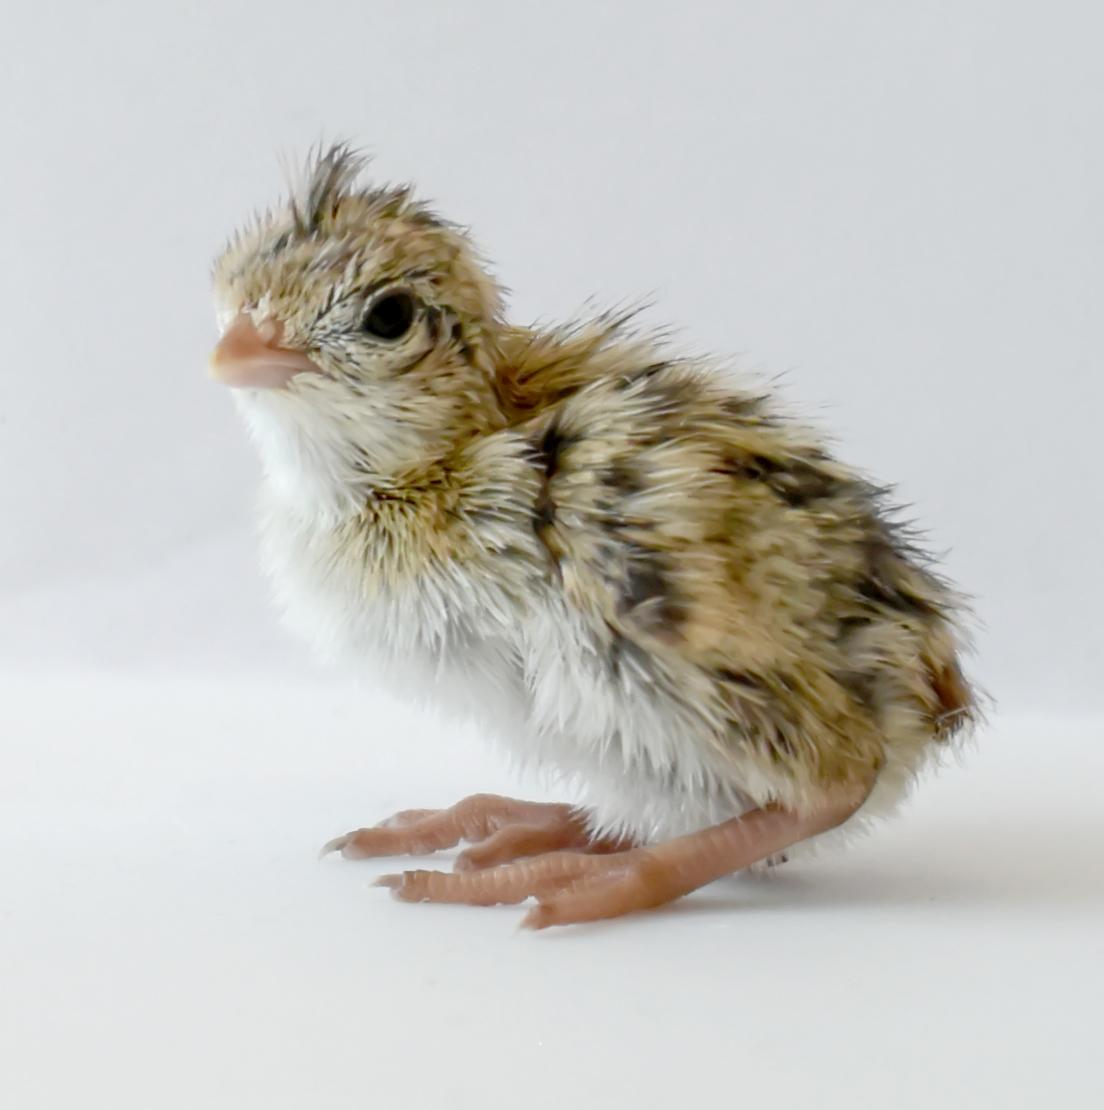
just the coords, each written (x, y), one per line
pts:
(499, 829)
(573, 886)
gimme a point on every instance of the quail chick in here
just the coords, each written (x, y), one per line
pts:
(629, 569)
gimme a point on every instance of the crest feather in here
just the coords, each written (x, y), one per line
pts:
(330, 174)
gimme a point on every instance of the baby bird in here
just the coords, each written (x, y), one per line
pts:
(628, 568)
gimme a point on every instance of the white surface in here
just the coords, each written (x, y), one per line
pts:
(170, 940)
(898, 205)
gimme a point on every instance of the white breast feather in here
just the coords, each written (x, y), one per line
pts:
(637, 758)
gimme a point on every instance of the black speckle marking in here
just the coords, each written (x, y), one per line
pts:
(462, 345)
(752, 468)
(878, 587)
(850, 625)
(801, 484)
(747, 410)
(643, 583)
(798, 483)
(280, 242)
(860, 685)
(880, 593)
(544, 515)
(422, 217)
(780, 745)
(648, 595)
(623, 479)
(551, 448)
(658, 437)
(645, 373)
(548, 454)
(651, 370)
(738, 678)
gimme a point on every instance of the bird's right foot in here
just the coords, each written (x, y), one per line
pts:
(498, 829)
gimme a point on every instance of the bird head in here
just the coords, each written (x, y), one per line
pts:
(359, 332)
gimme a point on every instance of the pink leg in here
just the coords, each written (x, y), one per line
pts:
(574, 887)
(668, 871)
(501, 829)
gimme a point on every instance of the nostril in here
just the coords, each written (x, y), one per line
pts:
(269, 332)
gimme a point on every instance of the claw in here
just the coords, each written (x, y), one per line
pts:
(537, 918)
(393, 882)
(336, 845)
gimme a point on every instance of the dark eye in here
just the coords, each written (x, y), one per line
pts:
(390, 317)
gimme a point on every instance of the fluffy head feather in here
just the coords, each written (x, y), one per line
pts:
(318, 264)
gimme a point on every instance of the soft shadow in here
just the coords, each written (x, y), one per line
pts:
(1052, 865)
(1053, 861)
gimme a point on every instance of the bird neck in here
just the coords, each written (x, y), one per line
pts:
(328, 468)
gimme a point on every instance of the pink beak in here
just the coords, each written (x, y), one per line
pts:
(249, 357)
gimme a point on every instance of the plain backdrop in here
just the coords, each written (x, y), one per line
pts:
(896, 205)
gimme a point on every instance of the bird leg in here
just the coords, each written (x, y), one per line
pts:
(499, 829)
(573, 887)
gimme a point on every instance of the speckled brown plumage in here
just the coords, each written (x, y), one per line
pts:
(714, 534)
(476, 482)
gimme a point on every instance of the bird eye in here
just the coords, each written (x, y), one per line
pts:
(390, 317)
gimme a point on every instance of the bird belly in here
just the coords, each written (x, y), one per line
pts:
(640, 757)
(637, 756)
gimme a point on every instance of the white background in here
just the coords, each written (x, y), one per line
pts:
(896, 204)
